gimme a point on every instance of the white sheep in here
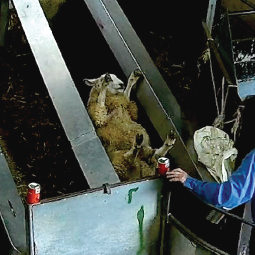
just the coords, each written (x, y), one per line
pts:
(126, 142)
(111, 110)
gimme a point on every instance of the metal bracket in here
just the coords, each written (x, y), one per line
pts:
(107, 188)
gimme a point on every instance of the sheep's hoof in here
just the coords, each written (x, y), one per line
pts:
(171, 139)
(139, 139)
(171, 135)
(138, 73)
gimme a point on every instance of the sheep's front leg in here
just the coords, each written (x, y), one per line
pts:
(101, 97)
(132, 80)
(136, 147)
(162, 151)
(98, 110)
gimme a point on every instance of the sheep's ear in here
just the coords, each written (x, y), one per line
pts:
(89, 82)
(107, 77)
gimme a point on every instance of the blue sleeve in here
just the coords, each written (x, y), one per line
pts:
(237, 190)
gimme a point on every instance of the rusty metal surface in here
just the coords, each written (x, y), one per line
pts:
(68, 104)
(127, 222)
(12, 211)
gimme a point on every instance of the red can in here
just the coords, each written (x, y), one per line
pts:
(33, 194)
(163, 165)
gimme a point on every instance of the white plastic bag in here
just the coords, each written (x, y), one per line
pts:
(215, 150)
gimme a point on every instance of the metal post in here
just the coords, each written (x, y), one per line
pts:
(210, 14)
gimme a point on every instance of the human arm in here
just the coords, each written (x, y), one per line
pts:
(237, 190)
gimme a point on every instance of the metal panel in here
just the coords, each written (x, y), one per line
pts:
(69, 106)
(246, 88)
(12, 211)
(153, 93)
(127, 222)
(97, 172)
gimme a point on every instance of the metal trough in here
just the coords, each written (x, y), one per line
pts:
(125, 218)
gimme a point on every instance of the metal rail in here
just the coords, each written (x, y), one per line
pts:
(249, 3)
(72, 113)
(193, 238)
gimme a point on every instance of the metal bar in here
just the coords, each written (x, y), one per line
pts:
(31, 230)
(194, 238)
(239, 13)
(249, 3)
(12, 211)
(72, 113)
(243, 40)
(245, 232)
(153, 93)
(225, 212)
(4, 9)
(210, 14)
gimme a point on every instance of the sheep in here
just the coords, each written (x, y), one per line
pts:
(140, 161)
(126, 142)
(111, 110)
(116, 95)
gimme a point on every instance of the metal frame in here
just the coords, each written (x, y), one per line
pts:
(65, 97)
(153, 93)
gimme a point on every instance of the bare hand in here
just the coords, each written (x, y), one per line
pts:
(177, 175)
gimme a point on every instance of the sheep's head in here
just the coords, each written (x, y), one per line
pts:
(113, 84)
